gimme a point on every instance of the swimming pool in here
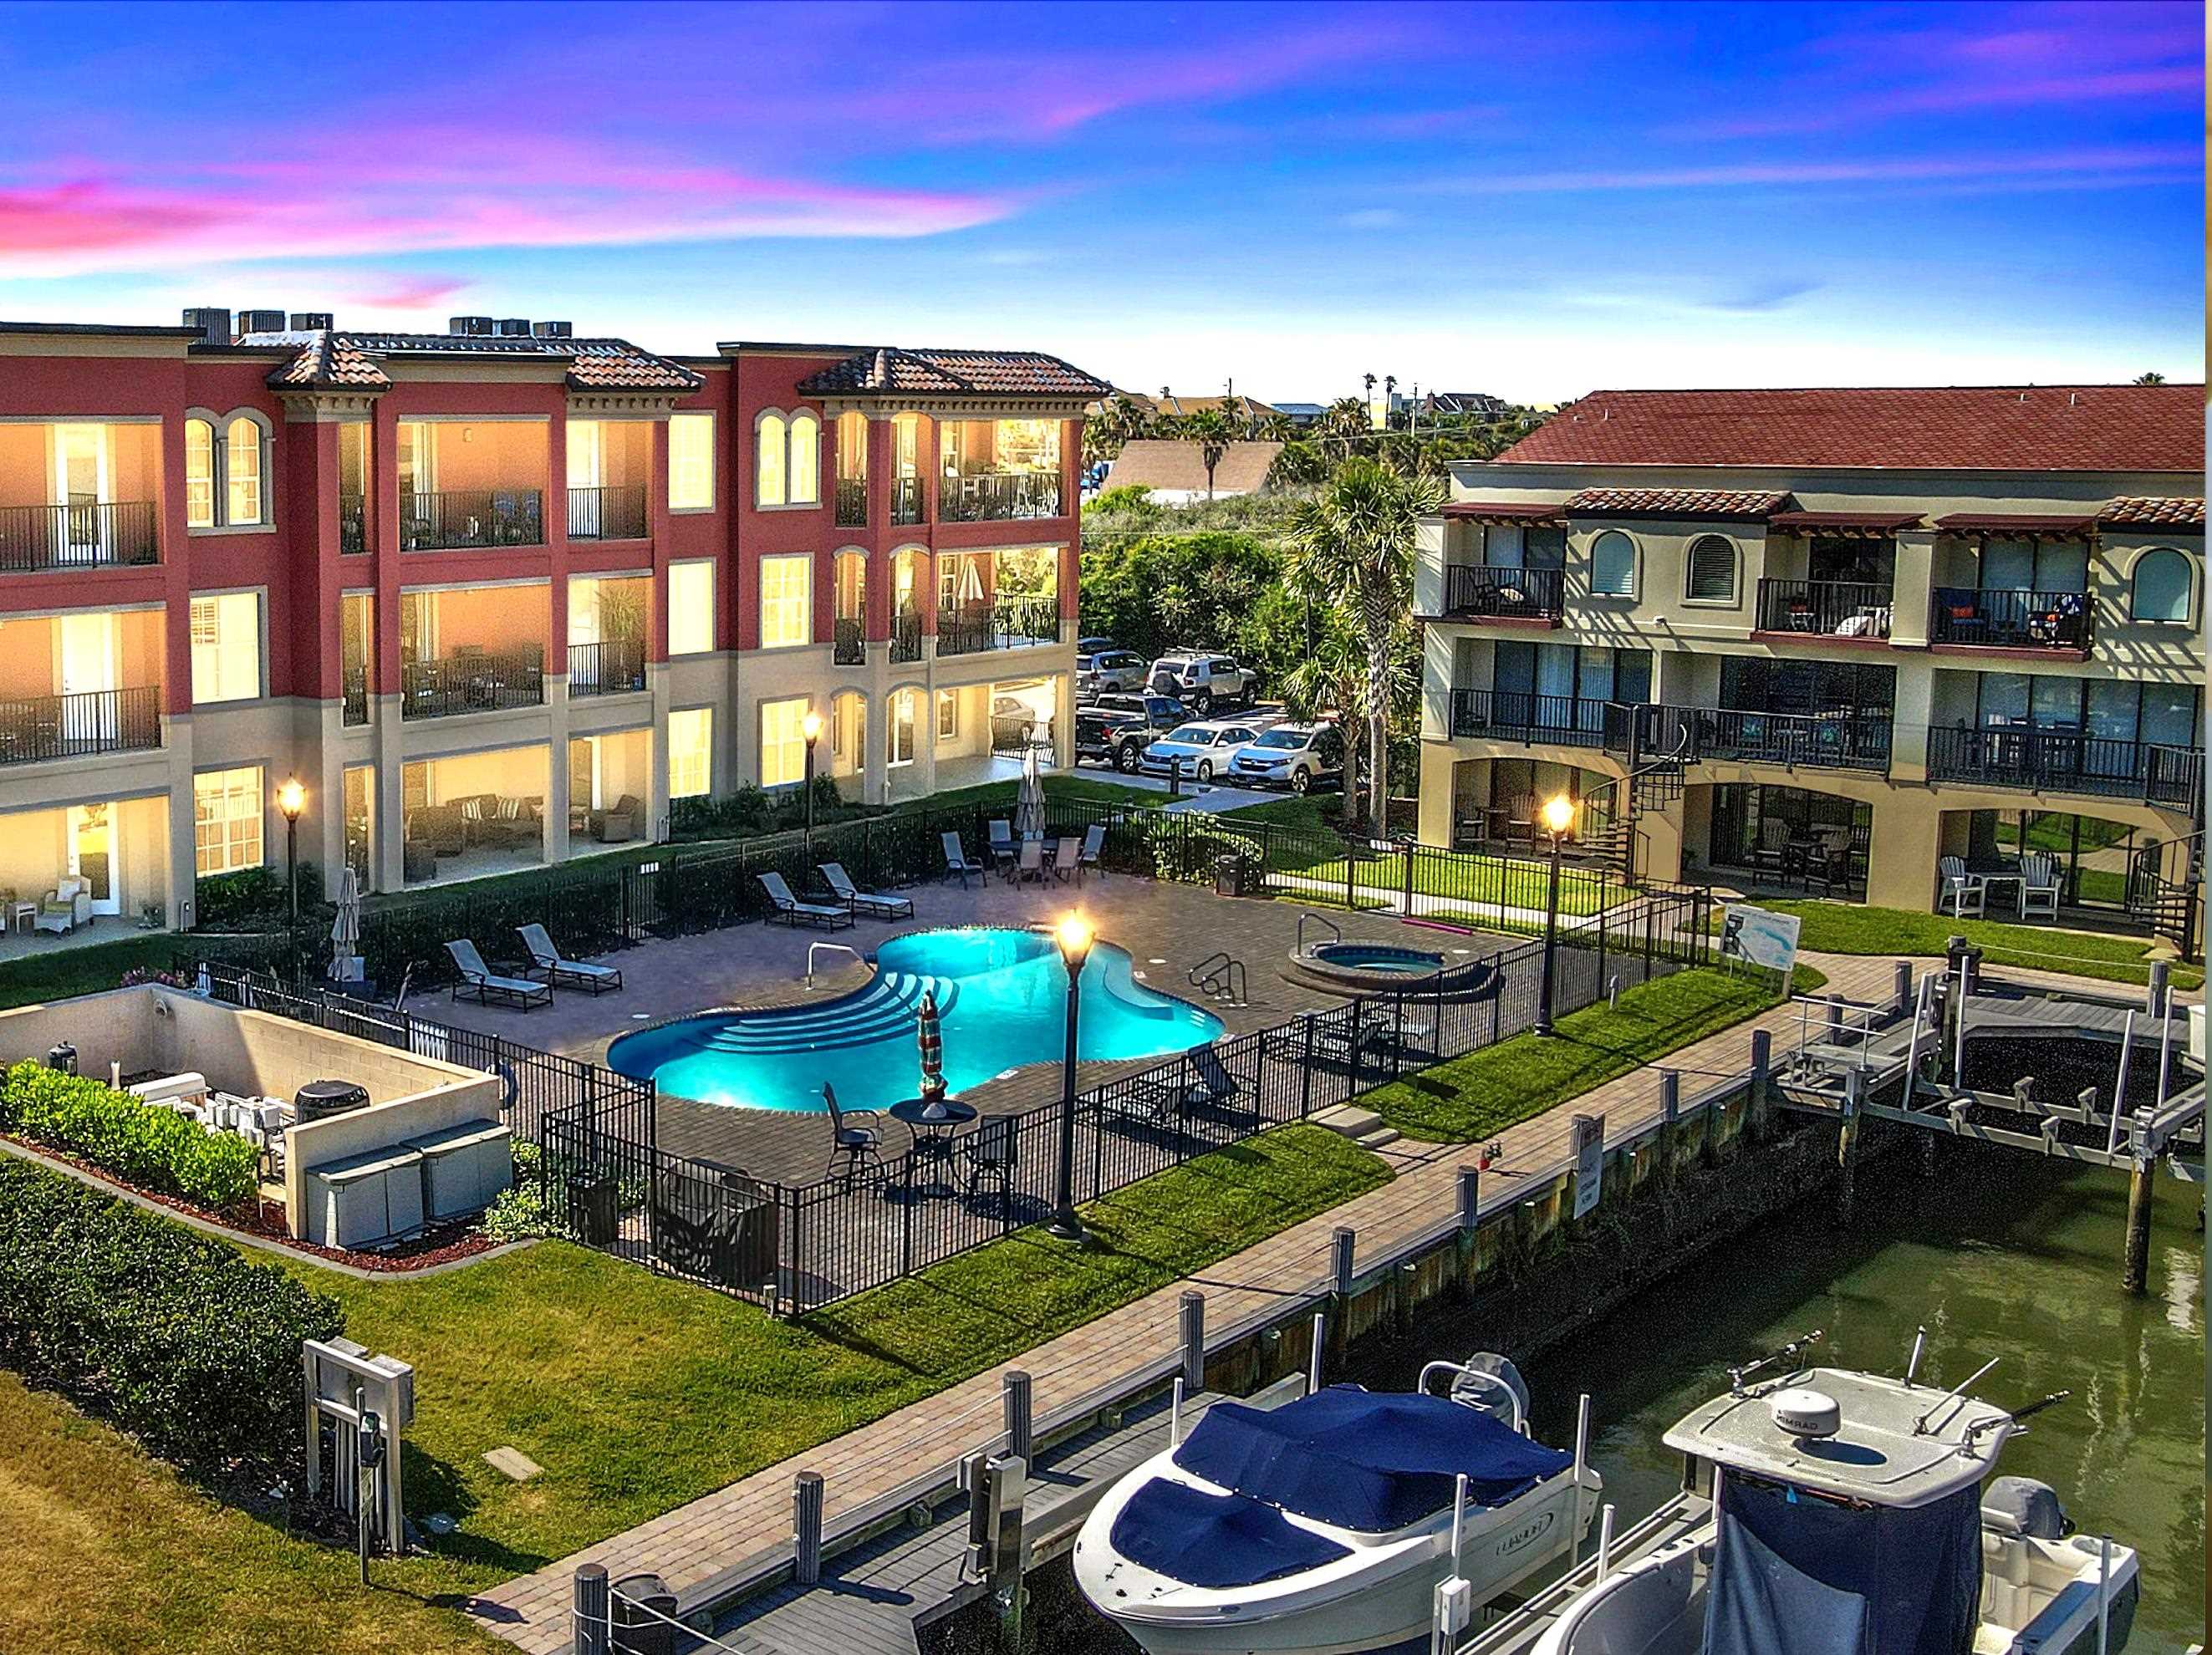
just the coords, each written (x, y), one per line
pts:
(1001, 1001)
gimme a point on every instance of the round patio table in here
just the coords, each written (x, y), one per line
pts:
(933, 1120)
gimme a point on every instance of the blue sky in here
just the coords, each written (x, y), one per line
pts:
(1536, 200)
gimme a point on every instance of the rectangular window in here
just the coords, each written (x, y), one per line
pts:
(783, 742)
(902, 730)
(691, 607)
(227, 819)
(691, 461)
(587, 454)
(690, 752)
(948, 715)
(227, 647)
(786, 601)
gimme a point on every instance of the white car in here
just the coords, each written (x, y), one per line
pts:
(1203, 683)
(1298, 756)
(1206, 749)
(1109, 671)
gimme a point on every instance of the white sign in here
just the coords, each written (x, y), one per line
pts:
(1760, 937)
(1590, 1160)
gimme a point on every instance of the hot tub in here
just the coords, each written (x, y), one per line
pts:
(1387, 968)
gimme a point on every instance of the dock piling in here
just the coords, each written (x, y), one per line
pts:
(1470, 1200)
(1340, 1243)
(2154, 998)
(1847, 1150)
(1193, 1342)
(1762, 1064)
(1670, 1096)
(589, 1613)
(2134, 1269)
(1015, 1395)
(807, 1526)
(1007, 1478)
(1904, 989)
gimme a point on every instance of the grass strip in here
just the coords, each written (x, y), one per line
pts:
(1849, 928)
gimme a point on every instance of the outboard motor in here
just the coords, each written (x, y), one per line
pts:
(1491, 1384)
(2031, 1507)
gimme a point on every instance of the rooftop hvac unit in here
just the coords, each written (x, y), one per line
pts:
(261, 321)
(320, 1099)
(554, 329)
(313, 321)
(472, 327)
(212, 321)
(512, 327)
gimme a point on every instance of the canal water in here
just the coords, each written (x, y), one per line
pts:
(1997, 1254)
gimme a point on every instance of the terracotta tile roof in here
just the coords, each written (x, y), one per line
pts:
(891, 370)
(2131, 511)
(1676, 503)
(329, 359)
(1944, 428)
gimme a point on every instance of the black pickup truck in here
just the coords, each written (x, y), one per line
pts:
(1116, 730)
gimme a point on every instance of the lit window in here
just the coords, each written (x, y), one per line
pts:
(1612, 564)
(226, 647)
(242, 470)
(805, 460)
(783, 742)
(2162, 583)
(768, 438)
(786, 601)
(691, 463)
(199, 473)
(1713, 569)
(227, 815)
(902, 732)
(948, 715)
(587, 454)
(690, 752)
(691, 607)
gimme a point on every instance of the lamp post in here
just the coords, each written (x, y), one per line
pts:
(1558, 815)
(810, 727)
(1073, 935)
(291, 799)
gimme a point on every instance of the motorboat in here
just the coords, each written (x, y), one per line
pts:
(1835, 1513)
(1325, 1527)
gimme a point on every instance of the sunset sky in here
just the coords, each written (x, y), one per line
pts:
(1529, 199)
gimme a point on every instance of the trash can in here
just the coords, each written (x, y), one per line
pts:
(591, 1208)
(1958, 952)
(1230, 875)
(640, 1608)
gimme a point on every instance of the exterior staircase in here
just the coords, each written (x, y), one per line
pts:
(1363, 1126)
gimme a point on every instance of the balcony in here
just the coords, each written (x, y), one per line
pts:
(1505, 594)
(353, 696)
(38, 727)
(1517, 716)
(353, 525)
(999, 497)
(1824, 609)
(2062, 761)
(1840, 738)
(616, 512)
(2009, 620)
(109, 534)
(1013, 623)
(849, 647)
(471, 683)
(611, 666)
(851, 502)
(906, 499)
(906, 638)
(465, 519)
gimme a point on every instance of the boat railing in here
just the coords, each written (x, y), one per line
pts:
(1841, 1023)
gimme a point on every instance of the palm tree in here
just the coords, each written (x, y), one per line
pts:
(2152, 378)
(1211, 431)
(1345, 422)
(1274, 425)
(1353, 546)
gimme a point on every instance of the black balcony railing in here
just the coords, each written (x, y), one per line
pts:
(1840, 738)
(1011, 623)
(2009, 620)
(851, 502)
(2062, 761)
(963, 631)
(906, 637)
(848, 647)
(906, 499)
(460, 518)
(353, 525)
(471, 683)
(998, 496)
(1517, 594)
(1517, 716)
(610, 511)
(80, 537)
(612, 666)
(1827, 608)
(36, 727)
(353, 696)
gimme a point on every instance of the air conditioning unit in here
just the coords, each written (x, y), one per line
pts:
(512, 327)
(471, 326)
(313, 321)
(554, 329)
(261, 321)
(214, 322)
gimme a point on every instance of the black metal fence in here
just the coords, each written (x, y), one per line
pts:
(2009, 620)
(475, 682)
(610, 666)
(35, 727)
(83, 534)
(998, 496)
(610, 511)
(1478, 588)
(458, 518)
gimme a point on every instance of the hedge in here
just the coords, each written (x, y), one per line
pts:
(173, 1336)
(155, 1148)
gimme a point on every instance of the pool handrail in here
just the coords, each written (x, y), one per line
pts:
(813, 949)
(1335, 930)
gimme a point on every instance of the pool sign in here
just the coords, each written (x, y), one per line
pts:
(1760, 937)
(1590, 1160)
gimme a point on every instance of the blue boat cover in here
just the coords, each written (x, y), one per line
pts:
(1811, 1576)
(1361, 1461)
(1215, 1540)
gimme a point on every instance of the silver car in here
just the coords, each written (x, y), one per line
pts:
(1109, 671)
(1206, 749)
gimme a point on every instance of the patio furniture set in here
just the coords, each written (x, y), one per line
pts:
(548, 968)
(59, 911)
(1033, 857)
(2035, 878)
(847, 900)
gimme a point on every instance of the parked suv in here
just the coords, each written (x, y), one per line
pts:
(1116, 730)
(1109, 670)
(1206, 749)
(1203, 683)
(1298, 756)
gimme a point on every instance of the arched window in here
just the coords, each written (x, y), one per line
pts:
(805, 460)
(199, 473)
(769, 437)
(1612, 564)
(2163, 586)
(1711, 576)
(242, 492)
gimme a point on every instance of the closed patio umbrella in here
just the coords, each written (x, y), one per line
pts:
(345, 928)
(1028, 803)
(930, 1038)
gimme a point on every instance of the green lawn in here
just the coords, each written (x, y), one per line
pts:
(1477, 1096)
(1089, 790)
(1847, 928)
(87, 970)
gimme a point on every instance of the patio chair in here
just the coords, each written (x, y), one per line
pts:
(2040, 885)
(859, 1145)
(1968, 892)
(481, 983)
(1031, 862)
(64, 908)
(1065, 854)
(988, 1153)
(1002, 841)
(1094, 848)
(575, 974)
(878, 903)
(958, 865)
(793, 912)
(1772, 850)
(1349, 1043)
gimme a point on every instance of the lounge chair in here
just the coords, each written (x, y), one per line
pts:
(1065, 855)
(1968, 892)
(988, 1152)
(480, 982)
(957, 863)
(1032, 864)
(858, 1144)
(1093, 848)
(1348, 1043)
(793, 912)
(1002, 841)
(1151, 1102)
(574, 973)
(879, 903)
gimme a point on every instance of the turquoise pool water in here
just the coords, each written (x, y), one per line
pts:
(1001, 1001)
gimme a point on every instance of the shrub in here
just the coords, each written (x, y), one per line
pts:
(1185, 847)
(172, 1334)
(522, 1211)
(252, 898)
(155, 1148)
